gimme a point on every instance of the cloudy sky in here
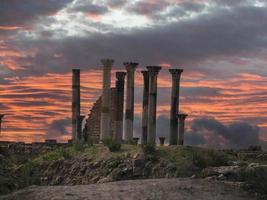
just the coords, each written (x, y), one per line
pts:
(221, 45)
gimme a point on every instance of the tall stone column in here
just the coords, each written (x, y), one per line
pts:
(176, 74)
(76, 106)
(119, 100)
(1, 119)
(105, 126)
(181, 117)
(152, 103)
(145, 106)
(129, 114)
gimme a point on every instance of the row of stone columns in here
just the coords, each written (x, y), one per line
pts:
(149, 104)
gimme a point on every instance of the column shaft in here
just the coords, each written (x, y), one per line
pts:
(129, 113)
(152, 103)
(182, 118)
(75, 102)
(175, 92)
(145, 107)
(105, 128)
(119, 100)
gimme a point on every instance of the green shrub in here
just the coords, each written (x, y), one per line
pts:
(149, 148)
(56, 154)
(218, 158)
(79, 145)
(199, 160)
(112, 145)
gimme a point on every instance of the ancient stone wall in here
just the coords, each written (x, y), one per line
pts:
(92, 126)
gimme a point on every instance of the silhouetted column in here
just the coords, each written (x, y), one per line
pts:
(181, 117)
(129, 114)
(145, 106)
(152, 103)
(105, 126)
(79, 127)
(176, 74)
(119, 97)
(1, 118)
(75, 102)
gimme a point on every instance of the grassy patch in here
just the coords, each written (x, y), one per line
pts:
(112, 145)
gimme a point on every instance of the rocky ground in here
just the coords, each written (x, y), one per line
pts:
(182, 189)
(83, 165)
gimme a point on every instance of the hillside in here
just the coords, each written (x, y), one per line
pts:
(85, 164)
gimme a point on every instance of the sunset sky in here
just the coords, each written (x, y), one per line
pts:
(221, 45)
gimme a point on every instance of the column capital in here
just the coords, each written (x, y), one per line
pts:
(144, 72)
(120, 75)
(176, 71)
(76, 70)
(107, 62)
(154, 70)
(182, 116)
(130, 65)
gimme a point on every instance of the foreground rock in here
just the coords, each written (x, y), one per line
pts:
(182, 189)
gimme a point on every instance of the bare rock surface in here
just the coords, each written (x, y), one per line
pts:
(150, 189)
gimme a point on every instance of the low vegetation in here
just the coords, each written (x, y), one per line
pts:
(83, 163)
(112, 145)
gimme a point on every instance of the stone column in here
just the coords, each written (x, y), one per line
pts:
(79, 127)
(145, 106)
(105, 128)
(181, 117)
(152, 103)
(1, 118)
(119, 100)
(75, 101)
(176, 74)
(129, 114)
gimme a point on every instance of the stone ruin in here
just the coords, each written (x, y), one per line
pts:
(105, 119)
(92, 124)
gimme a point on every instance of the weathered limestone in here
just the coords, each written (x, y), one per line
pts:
(75, 102)
(152, 103)
(129, 114)
(105, 126)
(145, 106)
(1, 118)
(79, 126)
(176, 74)
(181, 117)
(92, 125)
(119, 100)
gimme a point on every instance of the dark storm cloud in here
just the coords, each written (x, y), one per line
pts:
(188, 42)
(21, 13)
(147, 7)
(116, 3)
(90, 8)
(58, 128)
(212, 132)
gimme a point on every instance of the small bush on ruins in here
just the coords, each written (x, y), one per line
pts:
(149, 148)
(112, 145)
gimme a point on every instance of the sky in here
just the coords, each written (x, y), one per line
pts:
(220, 44)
